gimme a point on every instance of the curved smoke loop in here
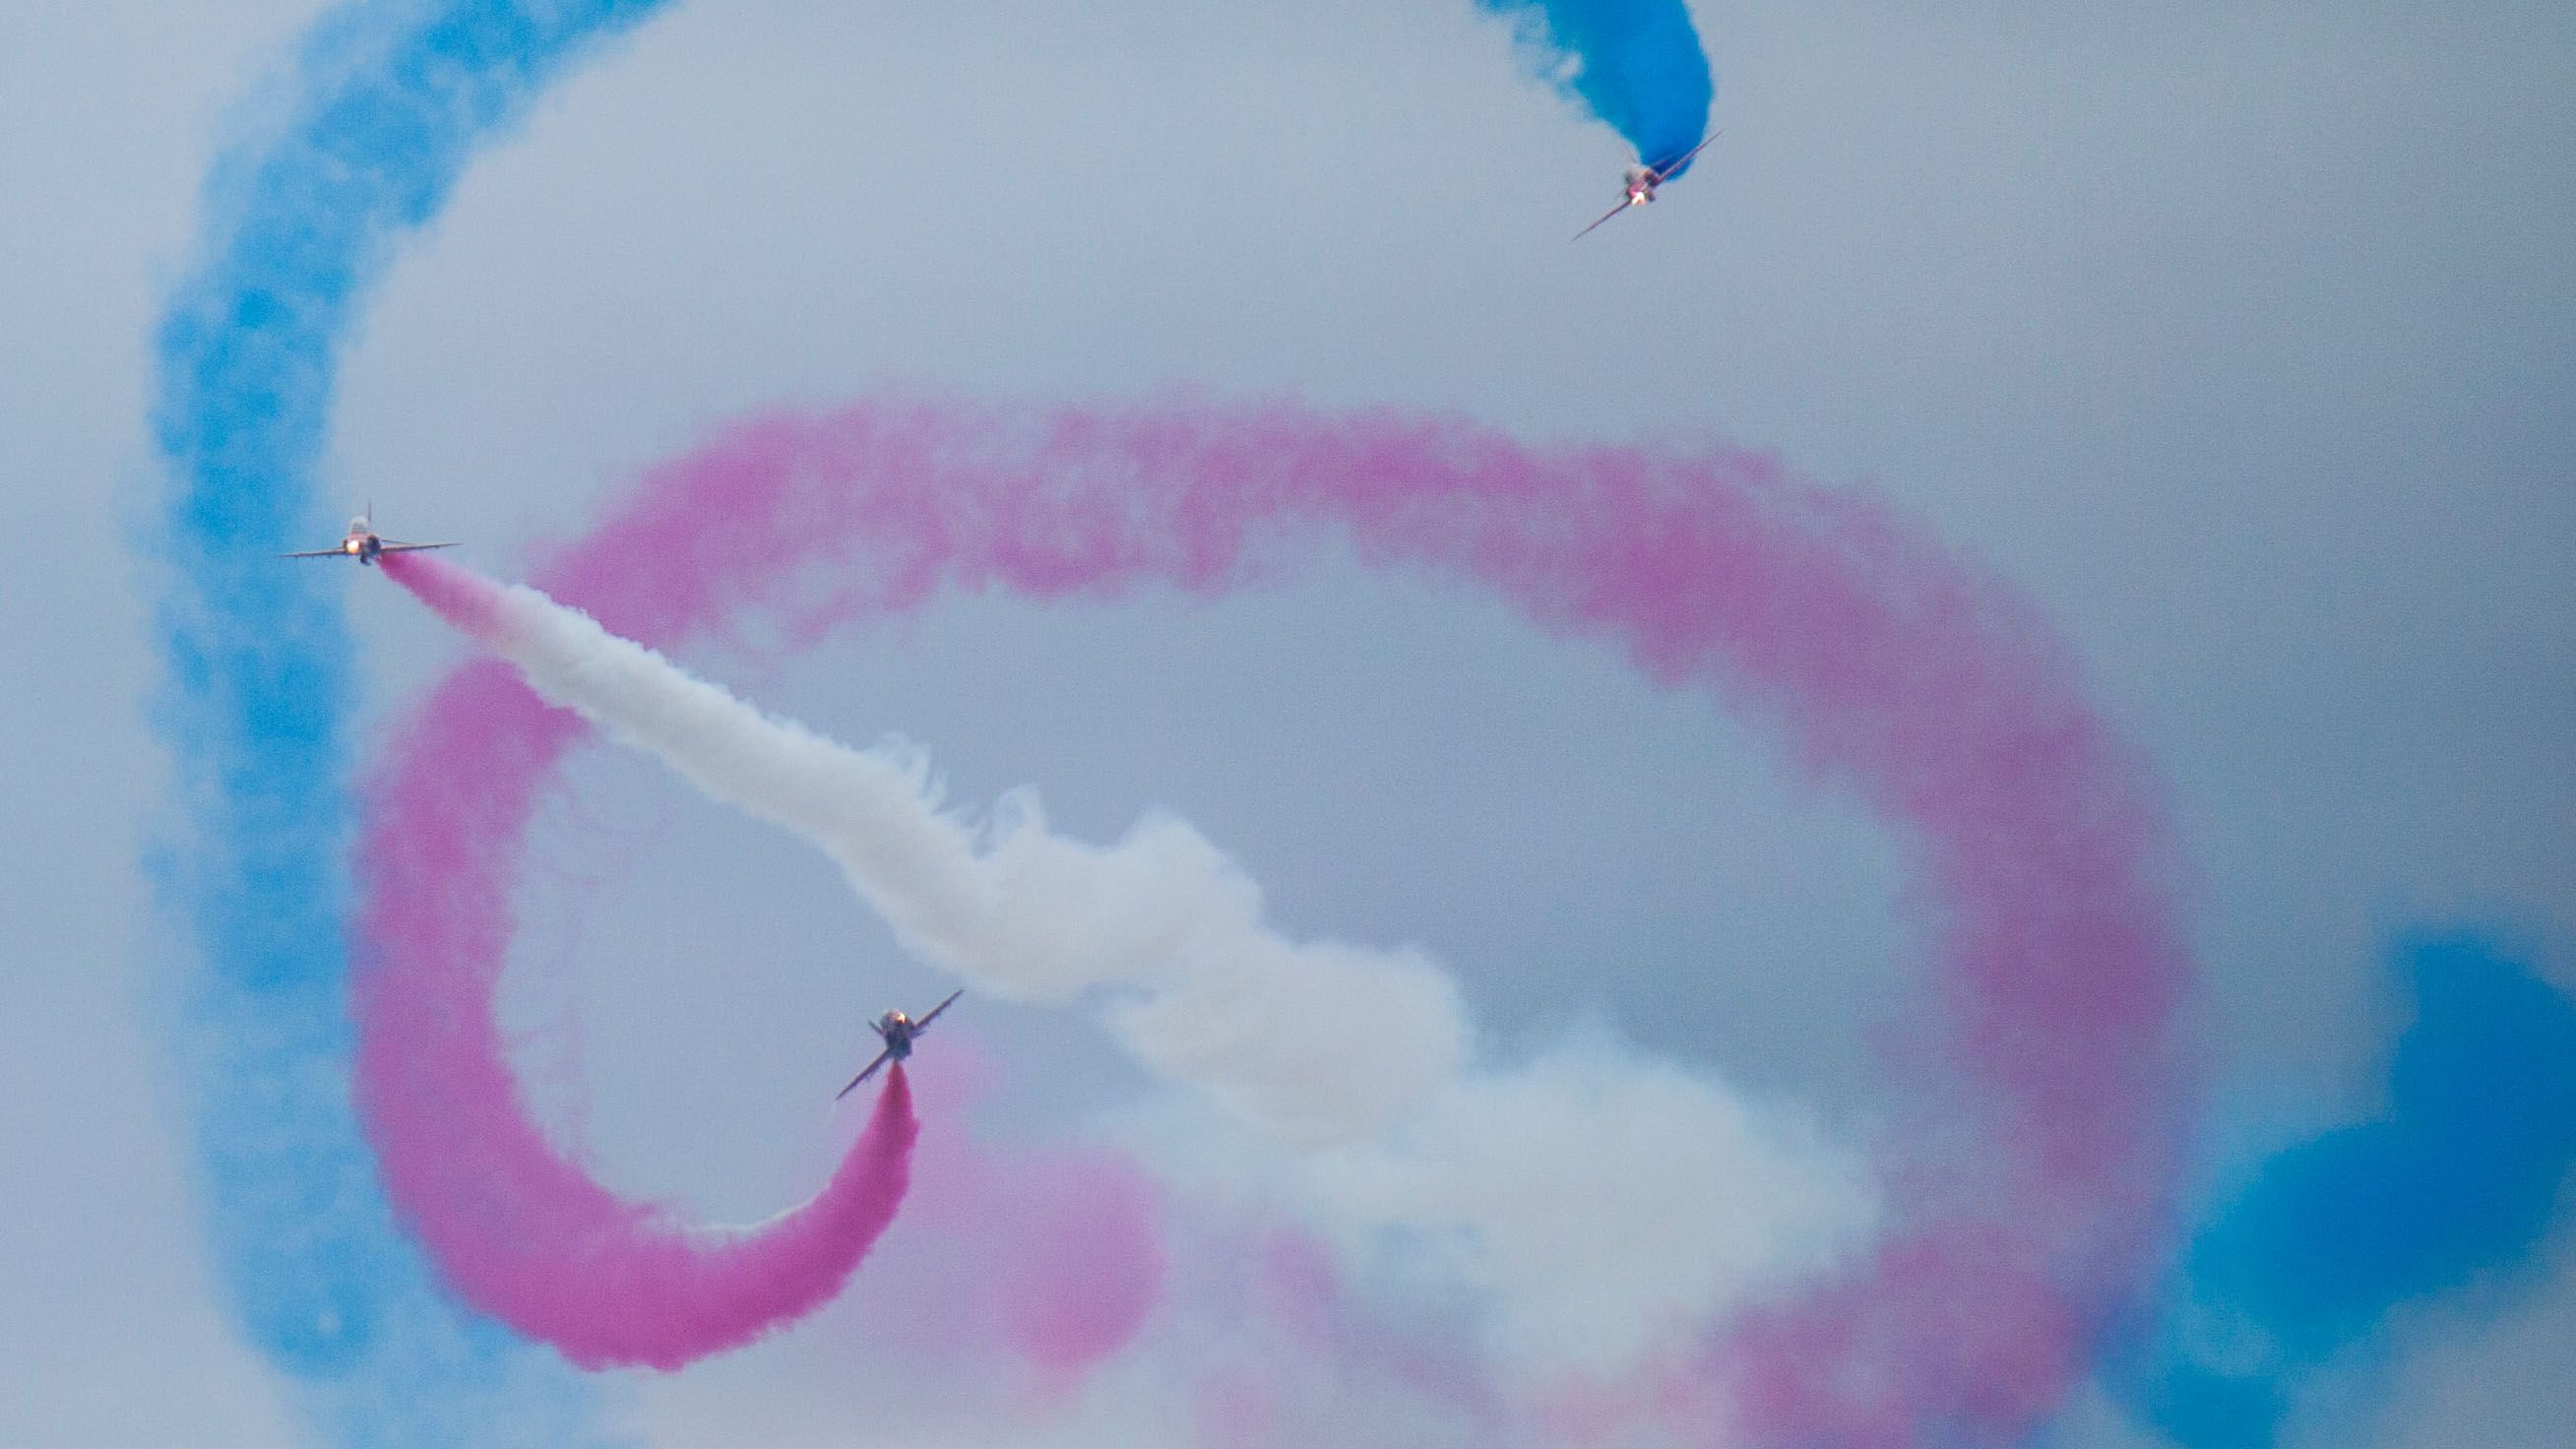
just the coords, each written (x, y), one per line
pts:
(1926, 689)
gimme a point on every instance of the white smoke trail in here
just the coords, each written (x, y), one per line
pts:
(1596, 1199)
(1219, 1001)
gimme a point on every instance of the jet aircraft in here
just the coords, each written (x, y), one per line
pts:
(1641, 182)
(364, 544)
(897, 1030)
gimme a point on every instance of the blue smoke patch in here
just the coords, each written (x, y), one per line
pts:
(1635, 64)
(389, 102)
(2456, 1186)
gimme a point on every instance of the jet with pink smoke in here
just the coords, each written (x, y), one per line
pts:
(518, 1229)
(364, 544)
(896, 1030)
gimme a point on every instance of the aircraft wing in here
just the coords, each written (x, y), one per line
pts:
(387, 545)
(1623, 205)
(865, 1072)
(1665, 171)
(934, 1011)
(317, 553)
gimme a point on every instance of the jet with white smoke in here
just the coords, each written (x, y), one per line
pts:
(1586, 1169)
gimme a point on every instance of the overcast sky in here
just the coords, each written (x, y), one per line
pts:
(2242, 338)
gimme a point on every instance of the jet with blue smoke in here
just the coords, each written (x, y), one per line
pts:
(1636, 64)
(2457, 1185)
(390, 99)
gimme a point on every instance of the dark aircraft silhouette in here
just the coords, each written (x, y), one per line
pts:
(1641, 182)
(364, 544)
(897, 1030)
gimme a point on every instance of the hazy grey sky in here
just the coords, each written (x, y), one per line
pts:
(2243, 338)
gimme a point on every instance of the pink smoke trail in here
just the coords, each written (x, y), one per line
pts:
(1051, 1257)
(1890, 668)
(521, 1233)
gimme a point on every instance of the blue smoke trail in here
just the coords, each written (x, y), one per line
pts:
(390, 101)
(2457, 1185)
(1636, 64)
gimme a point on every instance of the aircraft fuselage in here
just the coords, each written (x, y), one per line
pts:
(362, 544)
(897, 1029)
